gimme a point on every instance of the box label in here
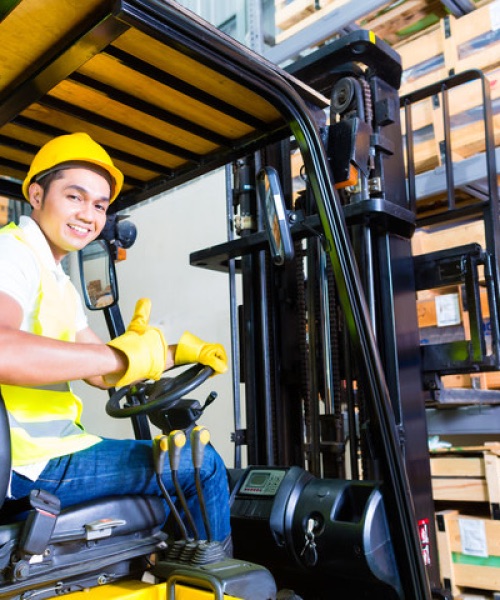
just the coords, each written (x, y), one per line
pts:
(473, 537)
(447, 310)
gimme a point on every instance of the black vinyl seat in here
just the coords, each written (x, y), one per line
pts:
(56, 552)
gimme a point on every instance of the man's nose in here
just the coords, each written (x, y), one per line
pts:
(86, 211)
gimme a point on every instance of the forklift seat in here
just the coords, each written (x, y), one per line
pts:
(56, 552)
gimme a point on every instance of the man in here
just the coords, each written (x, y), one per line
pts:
(45, 343)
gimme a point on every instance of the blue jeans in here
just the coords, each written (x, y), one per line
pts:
(120, 467)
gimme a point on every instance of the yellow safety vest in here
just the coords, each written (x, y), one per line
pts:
(45, 420)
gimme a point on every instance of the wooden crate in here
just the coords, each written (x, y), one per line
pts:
(469, 552)
(438, 308)
(468, 474)
(424, 242)
(454, 45)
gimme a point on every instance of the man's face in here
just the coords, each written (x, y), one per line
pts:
(72, 211)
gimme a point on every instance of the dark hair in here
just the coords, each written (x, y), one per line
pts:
(44, 179)
(47, 179)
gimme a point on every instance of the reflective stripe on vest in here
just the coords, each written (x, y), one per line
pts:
(45, 420)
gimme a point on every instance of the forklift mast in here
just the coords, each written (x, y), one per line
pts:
(332, 373)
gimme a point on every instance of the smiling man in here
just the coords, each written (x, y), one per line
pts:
(45, 343)
(79, 219)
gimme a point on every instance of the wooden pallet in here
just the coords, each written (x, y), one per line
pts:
(297, 15)
(289, 14)
(401, 20)
(393, 22)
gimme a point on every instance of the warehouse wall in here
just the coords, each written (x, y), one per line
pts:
(183, 297)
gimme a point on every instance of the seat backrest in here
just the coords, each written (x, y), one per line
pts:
(4, 451)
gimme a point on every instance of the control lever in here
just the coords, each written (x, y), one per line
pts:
(160, 447)
(210, 398)
(177, 441)
(200, 436)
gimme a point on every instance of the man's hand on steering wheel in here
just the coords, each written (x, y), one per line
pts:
(147, 354)
(144, 347)
(191, 349)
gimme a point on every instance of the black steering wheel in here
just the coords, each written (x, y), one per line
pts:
(161, 394)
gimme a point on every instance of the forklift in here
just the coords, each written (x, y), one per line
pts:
(336, 500)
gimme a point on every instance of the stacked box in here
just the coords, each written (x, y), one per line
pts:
(469, 552)
(469, 474)
(454, 45)
(392, 21)
(459, 479)
(471, 42)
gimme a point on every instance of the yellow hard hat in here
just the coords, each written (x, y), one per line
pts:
(73, 148)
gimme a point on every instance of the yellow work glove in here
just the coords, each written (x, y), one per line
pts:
(191, 349)
(143, 345)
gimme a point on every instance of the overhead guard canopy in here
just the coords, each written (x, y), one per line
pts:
(169, 97)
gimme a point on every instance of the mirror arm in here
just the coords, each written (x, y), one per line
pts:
(114, 320)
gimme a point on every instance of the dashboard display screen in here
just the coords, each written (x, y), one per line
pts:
(262, 482)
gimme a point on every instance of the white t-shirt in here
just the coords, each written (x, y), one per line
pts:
(20, 271)
(20, 279)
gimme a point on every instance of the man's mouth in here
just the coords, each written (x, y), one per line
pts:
(79, 229)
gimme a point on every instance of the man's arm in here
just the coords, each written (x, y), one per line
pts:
(28, 359)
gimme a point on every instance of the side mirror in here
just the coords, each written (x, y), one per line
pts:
(97, 275)
(275, 215)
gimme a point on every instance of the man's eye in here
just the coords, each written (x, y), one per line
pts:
(101, 207)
